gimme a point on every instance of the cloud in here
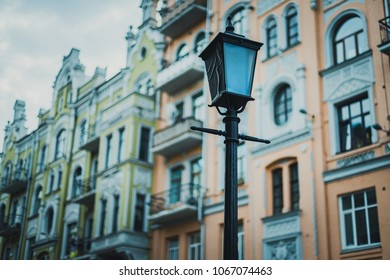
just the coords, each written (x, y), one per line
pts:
(35, 35)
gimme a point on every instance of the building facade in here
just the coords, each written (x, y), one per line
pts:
(114, 171)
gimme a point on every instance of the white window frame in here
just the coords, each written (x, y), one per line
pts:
(194, 246)
(353, 211)
(173, 250)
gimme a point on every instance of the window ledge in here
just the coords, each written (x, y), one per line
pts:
(361, 248)
(348, 62)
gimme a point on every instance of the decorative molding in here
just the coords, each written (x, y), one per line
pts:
(360, 168)
(355, 159)
(279, 226)
(351, 79)
(286, 249)
(265, 5)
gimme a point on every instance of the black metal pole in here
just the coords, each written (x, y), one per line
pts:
(230, 244)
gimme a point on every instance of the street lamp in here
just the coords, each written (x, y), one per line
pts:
(230, 65)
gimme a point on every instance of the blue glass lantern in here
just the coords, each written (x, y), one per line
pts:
(230, 65)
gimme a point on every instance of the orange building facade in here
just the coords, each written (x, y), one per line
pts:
(320, 190)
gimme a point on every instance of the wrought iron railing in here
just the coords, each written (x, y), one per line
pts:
(175, 196)
(84, 187)
(12, 221)
(19, 175)
(172, 11)
(384, 26)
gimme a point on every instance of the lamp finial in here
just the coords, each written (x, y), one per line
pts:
(229, 25)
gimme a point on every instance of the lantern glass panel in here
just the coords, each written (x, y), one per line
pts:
(239, 66)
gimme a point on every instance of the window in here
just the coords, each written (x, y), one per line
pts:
(277, 186)
(60, 144)
(49, 221)
(41, 163)
(83, 132)
(37, 200)
(108, 150)
(77, 182)
(239, 21)
(179, 111)
(200, 42)
(182, 52)
(173, 249)
(115, 216)
(120, 144)
(272, 37)
(175, 190)
(294, 186)
(144, 144)
(139, 216)
(359, 219)
(71, 238)
(282, 105)
(348, 39)
(240, 236)
(196, 172)
(241, 166)
(198, 106)
(103, 205)
(292, 26)
(354, 124)
(51, 183)
(59, 179)
(194, 246)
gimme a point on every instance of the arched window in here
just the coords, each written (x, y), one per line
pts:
(200, 42)
(37, 200)
(292, 30)
(182, 52)
(239, 21)
(83, 132)
(49, 221)
(284, 183)
(60, 144)
(272, 37)
(348, 39)
(282, 104)
(77, 182)
(50, 186)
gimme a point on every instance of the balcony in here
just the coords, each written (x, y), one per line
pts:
(85, 192)
(384, 26)
(10, 225)
(123, 244)
(181, 16)
(91, 142)
(175, 204)
(180, 74)
(177, 138)
(15, 183)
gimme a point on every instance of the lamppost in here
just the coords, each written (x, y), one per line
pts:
(230, 65)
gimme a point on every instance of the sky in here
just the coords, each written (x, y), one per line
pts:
(35, 35)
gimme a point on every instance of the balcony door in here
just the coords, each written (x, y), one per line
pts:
(175, 185)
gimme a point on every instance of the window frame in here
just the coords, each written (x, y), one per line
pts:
(343, 212)
(362, 115)
(173, 250)
(271, 35)
(283, 97)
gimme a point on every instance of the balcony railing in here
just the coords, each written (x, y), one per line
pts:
(85, 191)
(175, 204)
(91, 143)
(177, 138)
(384, 26)
(180, 73)
(14, 183)
(181, 16)
(10, 225)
